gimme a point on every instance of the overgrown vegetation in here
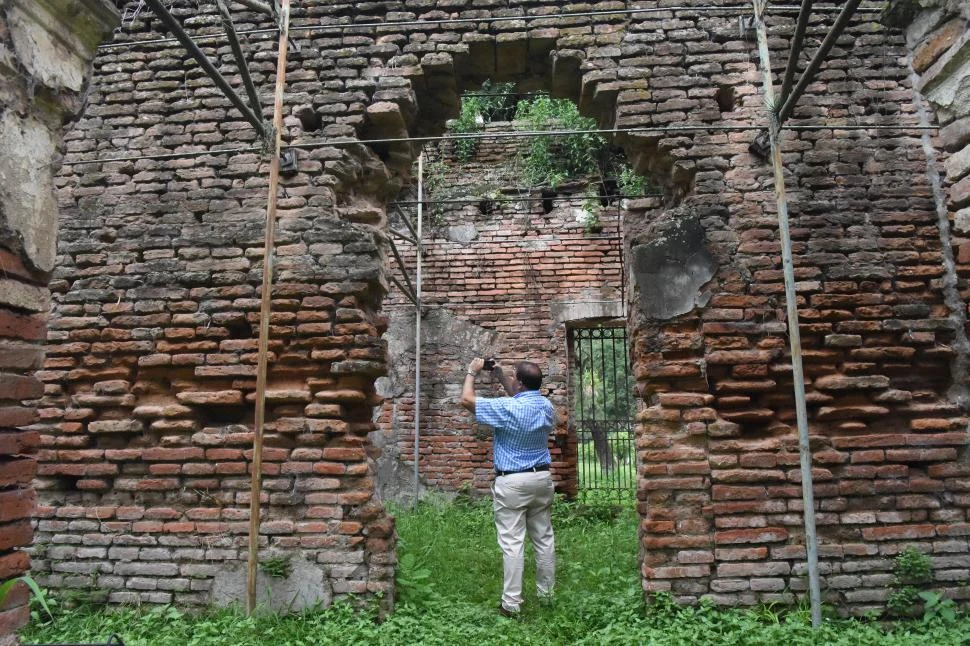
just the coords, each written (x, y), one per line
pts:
(551, 160)
(450, 579)
(277, 567)
(912, 573)
(492, 102)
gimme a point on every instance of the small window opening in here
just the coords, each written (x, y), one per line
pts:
(310, 119)
(725, 98)
(547, 200)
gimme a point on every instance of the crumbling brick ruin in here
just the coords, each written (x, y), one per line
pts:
(146, 415)
(46, 49)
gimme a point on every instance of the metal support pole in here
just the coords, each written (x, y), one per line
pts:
(400, 264)
(264, 312)
(173, 26)
(402, 235)
(417, 334)
(240, 59)
(256, 5)
(823, 50)
(407, 220)
(796, 48)
(794, 336)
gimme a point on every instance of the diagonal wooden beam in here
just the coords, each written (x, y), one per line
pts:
(173, 26)
(823, 50)
(407, 292)
(796, 48)
(400, 264)
(240, 59)
(407, 223)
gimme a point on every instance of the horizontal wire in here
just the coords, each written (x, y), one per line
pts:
(496, 304)
(576, 196)
(498, 135)
(341, 27)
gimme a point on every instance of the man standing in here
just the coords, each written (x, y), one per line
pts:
(523, 490)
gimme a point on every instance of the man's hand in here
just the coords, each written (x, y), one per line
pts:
(476, 366)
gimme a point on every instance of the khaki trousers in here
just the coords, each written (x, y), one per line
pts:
(523, 501)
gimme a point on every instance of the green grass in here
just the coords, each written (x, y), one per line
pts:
(596, 484)
(450, 582)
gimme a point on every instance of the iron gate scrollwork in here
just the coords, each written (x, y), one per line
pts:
(602, 414)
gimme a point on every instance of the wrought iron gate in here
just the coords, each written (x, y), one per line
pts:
(602, 414)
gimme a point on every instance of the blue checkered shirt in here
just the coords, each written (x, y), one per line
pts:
(522, 425)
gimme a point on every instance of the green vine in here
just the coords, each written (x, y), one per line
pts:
(278, 567)
(591, 210)
(553, 159)
(629, 182)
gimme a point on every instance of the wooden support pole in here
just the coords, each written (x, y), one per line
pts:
(264, 311)
(794, 334)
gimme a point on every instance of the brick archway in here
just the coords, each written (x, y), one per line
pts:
(149, 357)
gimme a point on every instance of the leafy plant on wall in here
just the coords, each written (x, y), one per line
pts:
(553, 159)
(490, 103)
(546, 161)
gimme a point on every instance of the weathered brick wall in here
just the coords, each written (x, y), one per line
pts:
(720, 489)
(938, 35)
(46, 48)
(147, 407)
(501, 277)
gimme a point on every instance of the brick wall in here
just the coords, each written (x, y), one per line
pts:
(720, 490)
(147, 406)
(501, 277)
(45, 70)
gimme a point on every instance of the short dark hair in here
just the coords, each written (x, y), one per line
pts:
(529, 375)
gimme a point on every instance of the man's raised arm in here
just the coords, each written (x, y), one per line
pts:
(468, 386)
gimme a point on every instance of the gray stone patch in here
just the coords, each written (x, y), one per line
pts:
(961, 221)
(670, 269)
(443, 334)
(305, 586)
(27, 189)
(463, 233)
(590, 304)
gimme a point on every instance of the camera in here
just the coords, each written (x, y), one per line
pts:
(489, 364)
